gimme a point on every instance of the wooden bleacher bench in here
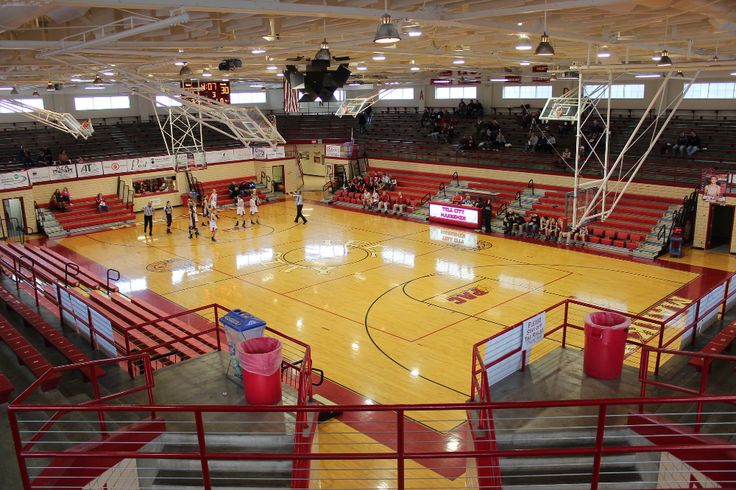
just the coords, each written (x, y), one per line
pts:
(722, 342)
(51, 275)
(27, 354)
(181, 325)
(51, 336)
(83, 271)
(6, 388)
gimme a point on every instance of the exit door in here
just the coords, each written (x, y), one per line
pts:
(720, 226)
(15, 218)
(277, 172)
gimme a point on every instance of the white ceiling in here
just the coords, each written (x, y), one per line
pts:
(482, 32)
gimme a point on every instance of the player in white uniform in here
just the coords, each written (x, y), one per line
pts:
(239, 211)
(254, 208)
(213, 223)
(193, 218)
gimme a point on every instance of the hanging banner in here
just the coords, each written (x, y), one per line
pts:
(14, 180)
(333, 150)
(110, 167)
(91, 169)
(62, 172)
(268, 153)
(243, 154)
(40, 174)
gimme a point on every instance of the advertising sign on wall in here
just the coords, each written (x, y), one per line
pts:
(62, 172)
(91, 169)
(14, 180)
(110, 167)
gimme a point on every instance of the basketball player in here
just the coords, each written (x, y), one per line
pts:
(239, 210)
(213, 223)
(254, 208)
(193, 219)
(168, 211)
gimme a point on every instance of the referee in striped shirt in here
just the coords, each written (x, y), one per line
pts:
(299, 205)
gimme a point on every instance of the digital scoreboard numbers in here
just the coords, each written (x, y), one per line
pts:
(215, 90)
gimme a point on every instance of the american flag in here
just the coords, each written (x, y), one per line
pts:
(291, 98)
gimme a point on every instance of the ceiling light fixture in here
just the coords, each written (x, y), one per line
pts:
(525, 63)
(14, 91)
(647, 75)
(603, 52)
(733, 73)
(414, 32)
(206, 74)
(75, 79)
(544, 48)
(98, 80)
(415, 68)
(498, 79)
(664, 57)
(656, 57)
(523, 43)
(387, 32)
(180, 63)
(378, 57)
(272, 67)
(35, 94)
(361, 68)
(258, 51)
(108, 73)
(324, 51)
(279, 74)
(458, 61)
(50, 87)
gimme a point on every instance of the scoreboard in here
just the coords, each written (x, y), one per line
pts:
(215, 90)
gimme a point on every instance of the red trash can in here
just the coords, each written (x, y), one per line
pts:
(605, 344)
(260, 362)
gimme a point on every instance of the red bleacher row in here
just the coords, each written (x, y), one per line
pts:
(223, 192)
(414, 186)
(156, 337)
(84, 213)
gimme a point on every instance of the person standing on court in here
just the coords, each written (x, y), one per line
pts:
(254, 208)
(239, 210)
(168, 211)
(299, 199)
(213, 223)
(193, 218)
(148, 218)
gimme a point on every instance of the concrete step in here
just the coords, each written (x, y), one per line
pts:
(192, 479)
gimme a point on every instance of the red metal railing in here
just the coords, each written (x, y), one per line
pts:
(404, 461)
(683, 324)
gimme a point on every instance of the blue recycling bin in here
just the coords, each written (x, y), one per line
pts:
(676, 246)
(240, 326)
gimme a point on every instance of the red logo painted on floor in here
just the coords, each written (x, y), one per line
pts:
(467, 295)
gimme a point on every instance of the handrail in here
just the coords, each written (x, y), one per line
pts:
(456, 177)
(425, 198)
(518, 197)
(70, 269)
(662, 232)
(530, 184)
(31, 269)
(442, 189)
(502, 209)
(109, 277)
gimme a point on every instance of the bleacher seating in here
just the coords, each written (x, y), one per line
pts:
(634, 217)
(223, 193)
(84, 213)
(27, 354)
(6, 388)
(722, 342)
(50, 335)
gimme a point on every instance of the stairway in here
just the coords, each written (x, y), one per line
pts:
(175, 474)
(49, 224)
(651, 247)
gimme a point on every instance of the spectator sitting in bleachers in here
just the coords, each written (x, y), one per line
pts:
(681, 144)
(66, 196)
(581, 234)
(565, 158)
(383, 202)
(400, 204)
(58, 202)
(375, 199)
(101, 204)
(233, 189)
(393, 183)
(693, 143)
(532, 142)
(367, 199)
(462, 108)
(426, 117)
(500, 141)
(457, 198)
(508, 221)
(63, 157)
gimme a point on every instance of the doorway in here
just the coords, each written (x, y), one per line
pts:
(277, 173)
(720, 227)
(15, 218)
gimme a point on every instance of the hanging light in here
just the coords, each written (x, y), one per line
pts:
(664, 59)
(50, 87)
(98, 80)
(387, 32)
(544, 48)
(324, 52)
(35, 94)
(14, 91)
(523, 43)
(185, 71)
(603, 52)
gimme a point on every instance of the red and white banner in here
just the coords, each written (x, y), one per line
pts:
(291, 98)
